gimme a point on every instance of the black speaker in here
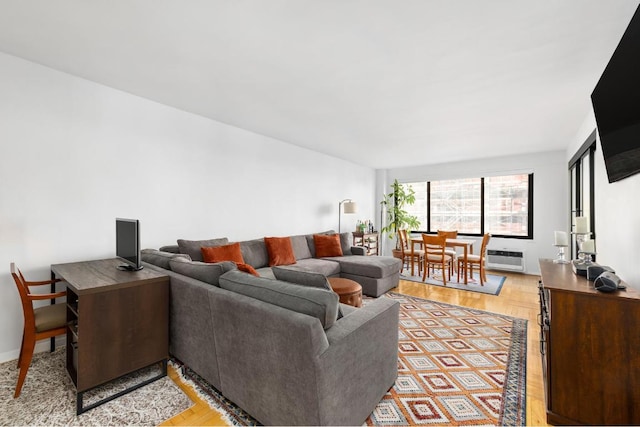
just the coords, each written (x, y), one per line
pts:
(595, 270)
(607, 282)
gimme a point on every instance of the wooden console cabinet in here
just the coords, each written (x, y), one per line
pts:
(368, 240)
(590, 346)
(117, 323)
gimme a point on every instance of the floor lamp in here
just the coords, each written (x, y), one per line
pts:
(350, 207)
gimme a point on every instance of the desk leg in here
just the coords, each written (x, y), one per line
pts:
(53, 291)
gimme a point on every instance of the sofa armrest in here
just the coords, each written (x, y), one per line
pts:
(358, 250)
(361, 343)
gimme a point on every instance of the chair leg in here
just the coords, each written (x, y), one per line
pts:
(444, 273)
(25, 360)
(21, 350)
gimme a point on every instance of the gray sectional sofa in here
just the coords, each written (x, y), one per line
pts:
(280, 350)
(376, 274)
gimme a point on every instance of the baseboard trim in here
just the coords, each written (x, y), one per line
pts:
(41, 346)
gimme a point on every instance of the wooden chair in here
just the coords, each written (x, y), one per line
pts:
(450, 252)
(39, 323)
(418, 254)
(434, 247)
(478, 260)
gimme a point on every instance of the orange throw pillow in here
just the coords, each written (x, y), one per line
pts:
(223, 253)
(280, 251)
(327, 245)
(247, 268)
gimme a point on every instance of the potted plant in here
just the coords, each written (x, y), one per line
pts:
(397, 217)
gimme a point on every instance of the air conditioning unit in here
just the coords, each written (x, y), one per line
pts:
(505, 259)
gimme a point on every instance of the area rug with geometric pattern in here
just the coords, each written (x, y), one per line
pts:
(456, 366)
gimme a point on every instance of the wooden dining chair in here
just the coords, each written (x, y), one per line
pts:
(434, 257)
(418, 254)
(450, 252)
(479, 260)
(39, 323)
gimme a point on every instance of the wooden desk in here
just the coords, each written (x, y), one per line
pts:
(590, 348)
(466, 244)
(117, 323)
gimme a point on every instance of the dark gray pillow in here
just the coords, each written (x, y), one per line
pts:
(254, 253)
(300, 247)
(205, 272)
(346, 242)
(174, 249)
(160, 258)
(303, 278)
(192, 247)
(315, 302)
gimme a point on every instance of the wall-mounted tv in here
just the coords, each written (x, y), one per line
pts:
(616, 104)
(128, 244)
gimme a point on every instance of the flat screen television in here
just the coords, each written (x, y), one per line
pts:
(616, 105)
(128, 243)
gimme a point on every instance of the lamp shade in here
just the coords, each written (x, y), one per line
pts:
(350, 207)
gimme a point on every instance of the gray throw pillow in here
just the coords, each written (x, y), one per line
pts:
(205, 272)
(346, 242)
(192, 247)
(160, 258)
(303, 278)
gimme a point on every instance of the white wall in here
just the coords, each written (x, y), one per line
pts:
(550, 197)
(76, 154)
(617, 213)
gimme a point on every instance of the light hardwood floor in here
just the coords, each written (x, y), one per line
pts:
(518, 298)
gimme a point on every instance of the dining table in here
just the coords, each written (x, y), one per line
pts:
(465, 244)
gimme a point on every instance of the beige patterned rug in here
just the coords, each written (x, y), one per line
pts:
(48, 397)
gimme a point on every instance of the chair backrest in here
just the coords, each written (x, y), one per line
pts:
(434, 247)
(448, 234)
(483, 246)
(404, 241)
(23, 290)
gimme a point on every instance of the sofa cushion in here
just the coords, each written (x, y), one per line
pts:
(304, 278)
(230, 252)
(300, 247)
(369, 266)
(280, 251)
(319, 303)
(208, 273)
(323, 266)
(192, 247)
(327, 245)
(255, 253)
(160, 258)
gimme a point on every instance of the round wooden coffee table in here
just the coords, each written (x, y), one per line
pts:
(349, 291)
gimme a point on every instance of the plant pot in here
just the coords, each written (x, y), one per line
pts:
(397, 253)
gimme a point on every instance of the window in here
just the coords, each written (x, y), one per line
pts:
(581, 177)
(455, 205)
(500, 205)
(507, 205)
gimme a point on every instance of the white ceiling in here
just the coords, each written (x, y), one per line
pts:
(383, 83)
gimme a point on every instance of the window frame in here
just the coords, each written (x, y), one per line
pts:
(528, 236)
